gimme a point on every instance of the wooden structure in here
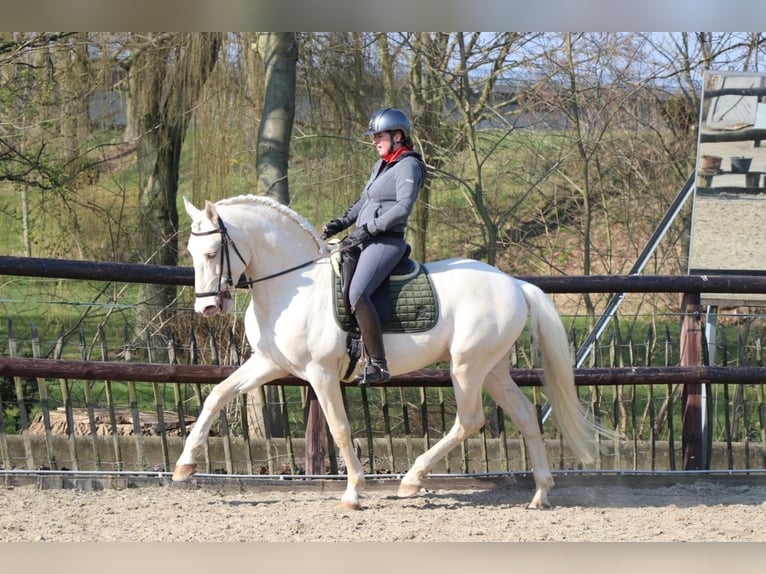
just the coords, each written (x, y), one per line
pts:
(690, 375)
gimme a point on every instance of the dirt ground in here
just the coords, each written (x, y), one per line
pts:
(695, 511)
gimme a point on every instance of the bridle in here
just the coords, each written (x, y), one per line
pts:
(225, 260)
(226, 240)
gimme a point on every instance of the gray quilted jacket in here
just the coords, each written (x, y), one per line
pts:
(389, 196)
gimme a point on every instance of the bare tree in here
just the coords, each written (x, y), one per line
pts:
(459, 92)
(44, 121)
(279, 53)
(168, 74)
(427, 101)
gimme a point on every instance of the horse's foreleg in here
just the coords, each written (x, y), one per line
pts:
(331, 400)
(468, 419)
(517, 406)
(240, 381)
(186, 465)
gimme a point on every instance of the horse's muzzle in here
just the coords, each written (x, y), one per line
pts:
(212, 303)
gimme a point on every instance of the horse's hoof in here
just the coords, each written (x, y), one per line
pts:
(347, 505)
(183, 472)
(407, 490)
(539, 505)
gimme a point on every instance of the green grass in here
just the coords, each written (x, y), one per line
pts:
(63, 306)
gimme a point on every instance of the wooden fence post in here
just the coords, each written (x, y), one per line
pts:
(316, 435)
(692, 437)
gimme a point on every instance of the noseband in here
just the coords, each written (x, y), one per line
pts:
(226, 261)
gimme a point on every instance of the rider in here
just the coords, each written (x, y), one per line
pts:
(380, 215)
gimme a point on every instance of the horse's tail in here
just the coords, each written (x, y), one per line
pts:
(558, 375)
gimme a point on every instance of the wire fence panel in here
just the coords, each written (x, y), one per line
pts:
(77, 411)
(57, 422)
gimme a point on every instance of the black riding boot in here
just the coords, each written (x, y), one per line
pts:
(376, 370)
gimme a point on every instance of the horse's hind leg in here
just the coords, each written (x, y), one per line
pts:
(509, 396)
(253, 373)
(469, 419)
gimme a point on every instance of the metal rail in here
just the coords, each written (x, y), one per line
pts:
(638, 266)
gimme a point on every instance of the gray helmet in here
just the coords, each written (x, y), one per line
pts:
(389, 119)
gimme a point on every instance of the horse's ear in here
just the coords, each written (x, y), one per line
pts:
(191, 210)
(210, 211)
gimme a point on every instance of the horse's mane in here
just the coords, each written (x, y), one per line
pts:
(281, 208)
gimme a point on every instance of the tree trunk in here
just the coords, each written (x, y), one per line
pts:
(280, 53)
(427, 102)
(25, 220)
(386, 60)
(70, 70)
(168, 77)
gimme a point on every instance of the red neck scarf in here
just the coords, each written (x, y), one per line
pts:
(390, 157)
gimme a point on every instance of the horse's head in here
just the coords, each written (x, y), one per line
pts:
(214, 269)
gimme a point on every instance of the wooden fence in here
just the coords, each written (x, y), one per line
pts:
(128, 415)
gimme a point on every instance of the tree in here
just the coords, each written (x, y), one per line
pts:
(460, 97)
(279, 53)
(168, 74)
(428, 103)
(47, 148)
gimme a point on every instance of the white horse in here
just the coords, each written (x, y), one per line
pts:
(291, 329)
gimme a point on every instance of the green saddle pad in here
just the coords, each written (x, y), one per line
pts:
(414, 306)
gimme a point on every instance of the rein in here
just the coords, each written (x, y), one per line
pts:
(226, 260)
(250, 282)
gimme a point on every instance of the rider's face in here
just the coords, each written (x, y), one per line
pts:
(384, 142)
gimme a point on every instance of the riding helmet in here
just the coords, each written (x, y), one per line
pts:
(389, 119)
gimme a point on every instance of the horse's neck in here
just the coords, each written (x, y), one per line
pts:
(284, 260)
(275, 241)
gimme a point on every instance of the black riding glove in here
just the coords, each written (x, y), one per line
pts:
(330, 229)
(359, 235)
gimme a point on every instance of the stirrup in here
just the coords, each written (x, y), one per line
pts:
(374, 372)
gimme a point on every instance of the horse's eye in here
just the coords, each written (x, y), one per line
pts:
(211, 254)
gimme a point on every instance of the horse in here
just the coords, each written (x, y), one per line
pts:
(290, 326)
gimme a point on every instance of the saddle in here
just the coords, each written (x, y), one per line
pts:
(406, 301)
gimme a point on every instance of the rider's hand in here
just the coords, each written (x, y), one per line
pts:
(331, 228)
(359, 235)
